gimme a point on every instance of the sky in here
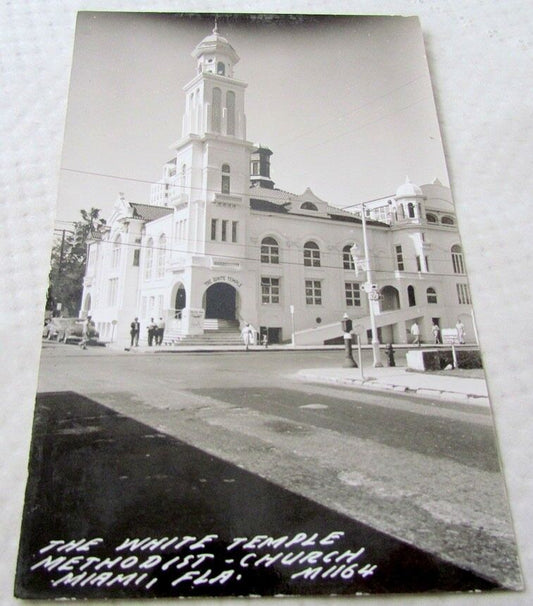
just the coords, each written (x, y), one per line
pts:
(345, 103)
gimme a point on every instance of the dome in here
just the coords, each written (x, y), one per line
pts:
(215, 43)
(408, 190)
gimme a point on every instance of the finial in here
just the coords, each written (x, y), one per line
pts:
(215, 29)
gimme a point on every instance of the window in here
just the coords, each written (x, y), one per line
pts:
(463, 294)
(221, 69)
(431, 295)
(308, 206)
(353, 294)
(313, 292)
(217, 110)
(136, 257)
(411, 210)
(115, 260)
(427, 263)
(234, 226)
(447, 221)
(411, 298)
(457, 260)
(431, 218)
(311, 254)
(224, 235)
(213, 229)
(161, 253)
(225, 185)
(230, 107)
(347, 259)
(269, 251)
(418, 263)
(269, 290)
(399, 258)
(149, 259)
(255, 168)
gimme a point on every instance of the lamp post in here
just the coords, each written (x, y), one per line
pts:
(370, 290)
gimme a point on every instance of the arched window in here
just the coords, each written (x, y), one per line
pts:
(148, 260)
(411, 210)
(308, 206)
(217, 110)
(457, 260)
(221, 69)
(269, 250)
(311, 254)
(115, 260)
(161, 253)
(431, 218)
(411, 296)
(230, 107)
(347, 259)
(225, 183)
(431, 295)
(447, 221)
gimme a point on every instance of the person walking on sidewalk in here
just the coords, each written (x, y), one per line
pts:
(135, 329)
(415, 333)
(152, 328)
(460, 328)
(247, 334)
(160, 332)
(435, 330)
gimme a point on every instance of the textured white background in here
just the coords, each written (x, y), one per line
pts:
(481, 63)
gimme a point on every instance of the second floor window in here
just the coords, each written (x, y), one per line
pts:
(311, 254)
(353, 294)
(269, 251)
(347, 259)
(149, 259)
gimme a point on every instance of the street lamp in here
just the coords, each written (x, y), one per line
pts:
(370, 289)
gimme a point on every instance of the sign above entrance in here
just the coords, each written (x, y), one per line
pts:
(228, 279)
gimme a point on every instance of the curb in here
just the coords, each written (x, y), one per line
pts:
(422, 392)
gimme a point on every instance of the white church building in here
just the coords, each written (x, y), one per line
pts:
(219, 245)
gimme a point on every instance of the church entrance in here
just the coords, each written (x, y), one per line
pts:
(220, 301)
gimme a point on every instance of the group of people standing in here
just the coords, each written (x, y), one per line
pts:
(435, 331)
(156, 331)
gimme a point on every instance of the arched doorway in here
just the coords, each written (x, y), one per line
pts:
(181, 299)
(391, 298)
(220, 301)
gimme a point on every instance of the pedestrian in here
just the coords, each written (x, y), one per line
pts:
(436, 333)
(247, 335)
(160, 331)
(85, 332)
(264, 341)
(135, 329)
(415, 333)
(152, 328)
(460, 328)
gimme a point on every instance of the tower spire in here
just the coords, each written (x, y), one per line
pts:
(215, 29)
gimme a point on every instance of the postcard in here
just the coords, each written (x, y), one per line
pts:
(260, 370)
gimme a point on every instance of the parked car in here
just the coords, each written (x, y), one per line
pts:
(67, 330)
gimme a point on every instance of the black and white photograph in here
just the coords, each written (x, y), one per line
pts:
(261, 370)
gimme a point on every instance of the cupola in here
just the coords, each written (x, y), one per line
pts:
(215, 55)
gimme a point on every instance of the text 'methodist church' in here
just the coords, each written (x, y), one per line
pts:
(219, 245)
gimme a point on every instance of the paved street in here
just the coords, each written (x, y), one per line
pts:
(423, 471)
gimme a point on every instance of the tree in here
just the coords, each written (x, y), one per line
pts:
(68, 260)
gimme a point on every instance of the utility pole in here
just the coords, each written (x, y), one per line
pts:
(370, 290)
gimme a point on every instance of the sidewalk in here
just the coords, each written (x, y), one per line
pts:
(399, 379)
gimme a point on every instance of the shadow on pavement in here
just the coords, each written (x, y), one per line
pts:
(98, 478)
